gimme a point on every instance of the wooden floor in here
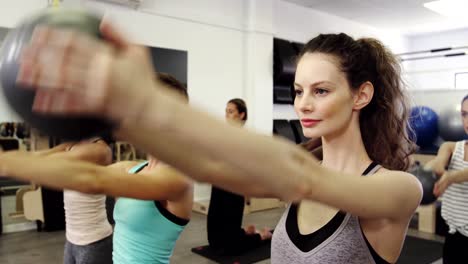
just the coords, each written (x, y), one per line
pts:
(47, 247)
(31, 247)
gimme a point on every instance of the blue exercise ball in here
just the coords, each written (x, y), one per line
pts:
(423, 121)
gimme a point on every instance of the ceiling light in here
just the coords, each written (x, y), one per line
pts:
(448, 8)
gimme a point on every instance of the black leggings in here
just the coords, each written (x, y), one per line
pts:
(455, 249)
(224, 224)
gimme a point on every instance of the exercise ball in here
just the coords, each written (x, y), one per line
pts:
(451, 125)
(423, 121)
(20, 99)
(428, 180)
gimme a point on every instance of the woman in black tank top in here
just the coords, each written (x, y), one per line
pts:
(226, 210)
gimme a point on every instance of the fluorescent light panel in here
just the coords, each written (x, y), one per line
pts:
(449, 8)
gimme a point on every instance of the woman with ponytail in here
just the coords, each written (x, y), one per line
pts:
(352, 207)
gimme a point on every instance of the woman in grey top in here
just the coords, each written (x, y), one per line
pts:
(348, 92)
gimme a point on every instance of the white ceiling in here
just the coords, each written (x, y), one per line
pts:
(407, 16)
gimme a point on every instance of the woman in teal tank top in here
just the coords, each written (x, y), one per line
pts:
(146, 230)
(148, 224)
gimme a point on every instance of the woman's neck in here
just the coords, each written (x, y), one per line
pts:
(346, 151)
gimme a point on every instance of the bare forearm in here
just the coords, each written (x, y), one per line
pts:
(51, 172)
(274, 164)
(460, 176)
(445, 152)
(440, 162)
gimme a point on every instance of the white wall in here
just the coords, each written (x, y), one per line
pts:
(438, 100)
(437, 73)
(296, 23)
(258, 64)
(9, 15)
(224, 13)
(438, 40)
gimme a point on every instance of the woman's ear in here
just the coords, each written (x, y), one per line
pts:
(363, 96)
(242, 116)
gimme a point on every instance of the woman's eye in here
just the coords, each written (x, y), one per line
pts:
(320, 91)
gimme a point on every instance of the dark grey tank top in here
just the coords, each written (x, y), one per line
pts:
(346, 245)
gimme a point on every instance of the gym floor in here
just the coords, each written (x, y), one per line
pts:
(47, 247)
